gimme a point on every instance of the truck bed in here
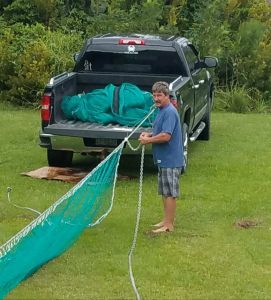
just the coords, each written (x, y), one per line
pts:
(72, 84)
(92, 130)
(75, 83)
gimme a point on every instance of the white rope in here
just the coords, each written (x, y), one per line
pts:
(112, 198)
(136, 226)
(126, 140)
(152, 109)
(9, 189)
(132, 148)
(6, 247)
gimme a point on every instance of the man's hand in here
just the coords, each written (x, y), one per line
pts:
(146, 134)
(144, 138)
(147, 138)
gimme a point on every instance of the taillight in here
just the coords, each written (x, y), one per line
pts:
(45, 107)
(131, 42)
(175, 103)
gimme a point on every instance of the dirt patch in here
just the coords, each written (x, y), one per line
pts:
(246, 224)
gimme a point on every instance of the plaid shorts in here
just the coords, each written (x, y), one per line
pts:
(168, 182)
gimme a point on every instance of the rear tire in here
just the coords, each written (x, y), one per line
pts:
(185, 147)
(59, 158)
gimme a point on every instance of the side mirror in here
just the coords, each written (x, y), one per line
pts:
(209, 62)
(75, 56)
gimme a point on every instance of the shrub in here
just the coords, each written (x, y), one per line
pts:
(31, 73)
(62, 46)
(30, 55)
(239, 100)
(252, 57)
(138, 18)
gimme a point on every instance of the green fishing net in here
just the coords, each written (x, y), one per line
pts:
(57, 228)
(124, 105)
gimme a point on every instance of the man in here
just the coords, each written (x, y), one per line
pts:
(166, 138)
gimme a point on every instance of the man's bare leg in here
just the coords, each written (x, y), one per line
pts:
(161, 224)
(170, 211)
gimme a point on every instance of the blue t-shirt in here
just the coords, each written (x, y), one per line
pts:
(168, 154)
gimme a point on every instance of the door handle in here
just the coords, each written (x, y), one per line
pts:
(196, 86)
(201, 81)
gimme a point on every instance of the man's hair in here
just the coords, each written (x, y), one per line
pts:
(161, 87)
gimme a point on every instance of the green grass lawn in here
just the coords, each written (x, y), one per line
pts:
(206, 257)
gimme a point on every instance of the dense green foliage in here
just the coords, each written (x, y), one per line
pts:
(38, 39)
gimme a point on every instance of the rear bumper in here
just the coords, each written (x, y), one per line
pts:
(84, 145)
(84, 137)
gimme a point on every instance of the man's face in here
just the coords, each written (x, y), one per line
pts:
(160, 99)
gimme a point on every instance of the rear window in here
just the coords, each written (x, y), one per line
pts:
(142, 62)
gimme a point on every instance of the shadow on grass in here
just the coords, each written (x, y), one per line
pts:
(129, 164)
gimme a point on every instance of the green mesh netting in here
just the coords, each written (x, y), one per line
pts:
(124, 106)
(56, 229)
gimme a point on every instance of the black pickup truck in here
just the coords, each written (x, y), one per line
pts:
(137, 59)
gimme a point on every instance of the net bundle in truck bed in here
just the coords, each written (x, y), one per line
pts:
(125, 105)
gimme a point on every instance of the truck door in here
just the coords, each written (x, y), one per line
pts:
(199, 79)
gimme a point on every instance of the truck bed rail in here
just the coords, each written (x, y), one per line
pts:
(92, 130)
